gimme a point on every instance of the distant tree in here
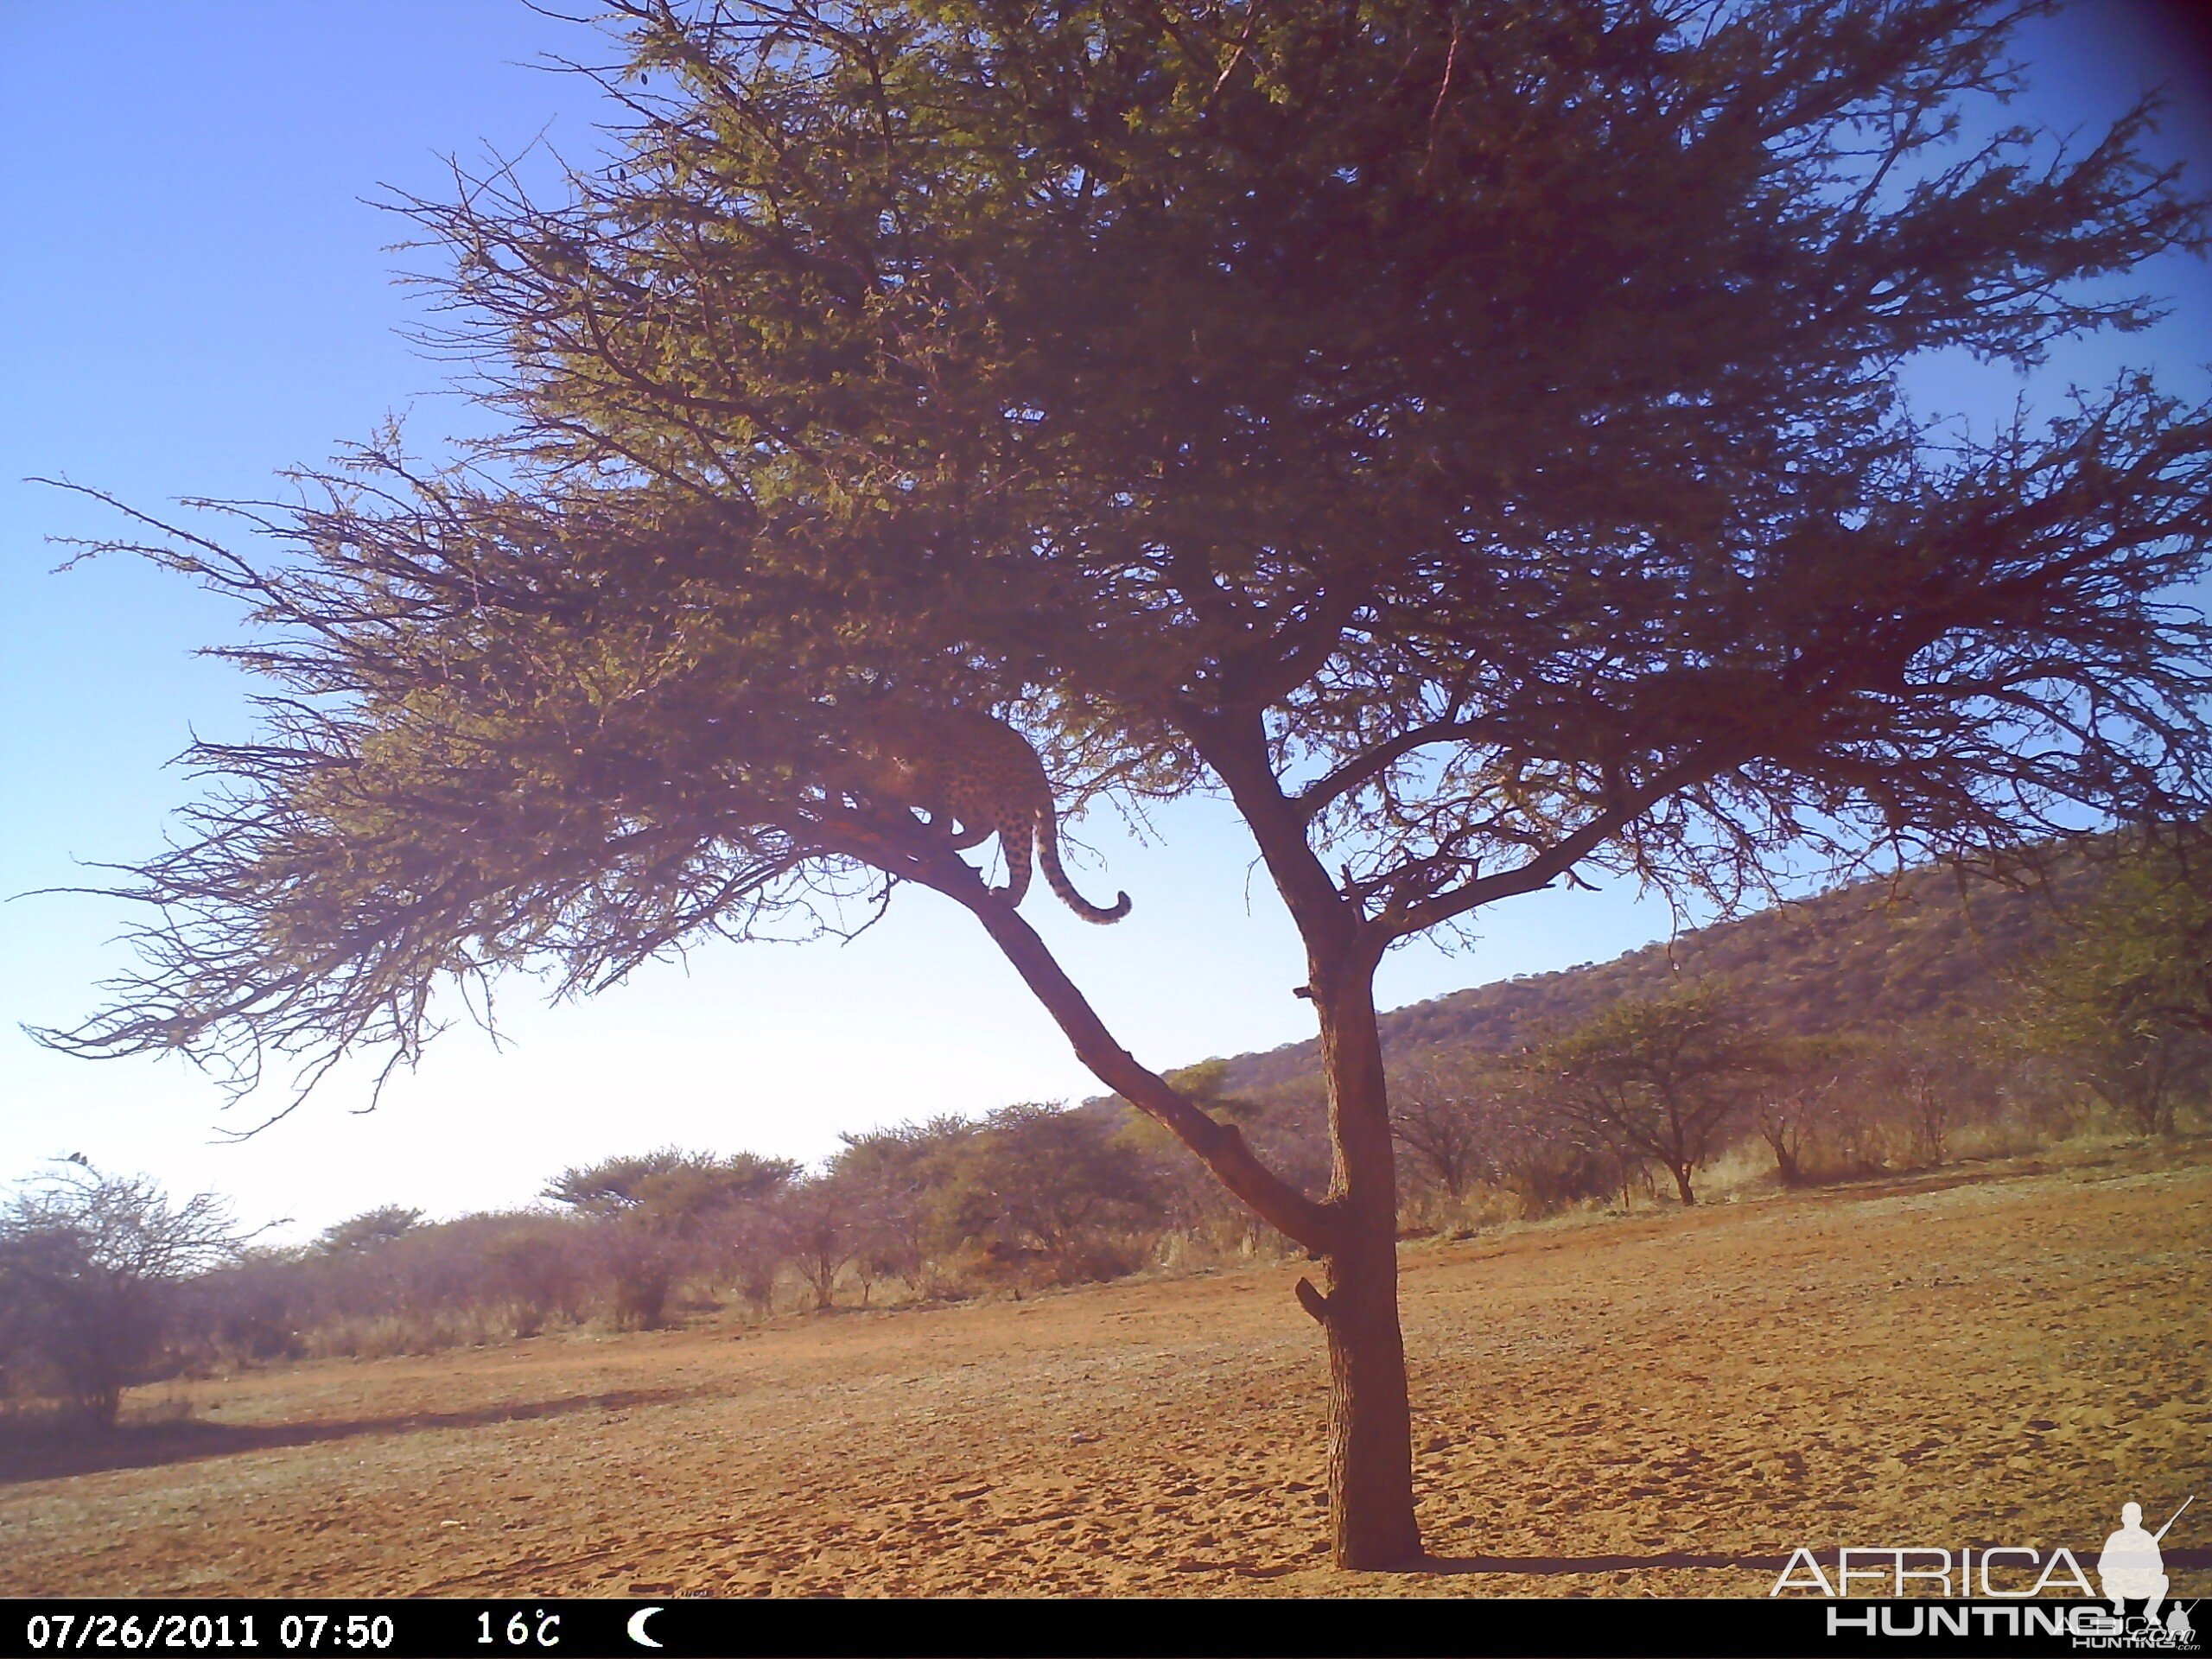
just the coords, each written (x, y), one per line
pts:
(1469, 1116)
(669, 1188)
(671, 1213)
(1791, 1099)
(1207, 1086)
(824, 1224)
(1557, 1160)
(613, 1185)
(32, 1262)
(1931, 1078)
(1450, 1114)
(368, 1230)
(1039, 1179)
(1659, 1077)
(90, 1265)
(2145, 940)
(246, 1311)
(1284, 1127)
(754, 1250)
(2124, 999)
(900, 1171)
(640, 1268)
(1469, 437)
(540, 1267)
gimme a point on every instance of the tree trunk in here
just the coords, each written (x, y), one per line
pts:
(1354, 1231)
(1682, 1184)
(1370, 1422)
(1371, 1427)
(1785, 1157)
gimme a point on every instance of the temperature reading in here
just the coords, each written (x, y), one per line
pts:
(538, 1628)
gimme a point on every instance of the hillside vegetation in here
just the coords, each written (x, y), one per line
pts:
(1933, 944)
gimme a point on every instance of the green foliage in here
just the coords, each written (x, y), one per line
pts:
(897, 1174)
(90, 1268)
(368, 1230)
(1206, 1085)
(1659, 1077)
(671, 1188)
(2124, 998)
(1041, 1181)
(1475, 474)
(669, 1212)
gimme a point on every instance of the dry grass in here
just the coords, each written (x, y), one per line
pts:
(1995, 1355)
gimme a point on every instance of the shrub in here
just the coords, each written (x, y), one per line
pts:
(90, 1269)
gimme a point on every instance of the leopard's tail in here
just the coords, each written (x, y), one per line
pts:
(1048, 856)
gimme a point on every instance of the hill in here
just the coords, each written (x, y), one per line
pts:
(1937, 942)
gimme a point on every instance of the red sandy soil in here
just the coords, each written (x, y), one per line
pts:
(1665, 1404)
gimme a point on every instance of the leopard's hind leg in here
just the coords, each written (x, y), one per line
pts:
(1014, 840)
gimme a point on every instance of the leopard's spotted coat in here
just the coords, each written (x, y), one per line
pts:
(960, 765)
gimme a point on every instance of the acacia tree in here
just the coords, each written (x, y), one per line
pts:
(90, 1264)
(1460, 1116)
(1791, 1101)
(2125, 998)
(1659, 1077)
(666, 1213)
(1467, 436)
(1038, 1178)
(898, 1172)
(368, 1230)
(671, 1189)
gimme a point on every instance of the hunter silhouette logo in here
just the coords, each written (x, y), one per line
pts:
(2130, 1567)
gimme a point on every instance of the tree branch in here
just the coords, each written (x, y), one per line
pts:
(1236, 746)
(1367, 764)
(1558, 859)
(1221, 1146)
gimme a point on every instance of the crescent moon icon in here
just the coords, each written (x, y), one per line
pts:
(637, 1627)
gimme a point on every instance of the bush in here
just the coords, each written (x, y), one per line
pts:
(90, 1266)
(641, 1273)
(1040, 1190)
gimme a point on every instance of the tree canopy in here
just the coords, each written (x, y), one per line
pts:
(89, 1264)
(1469, 507)
(2125, 996)
(368, 1230)
(669, 1185)
(1659, 1077)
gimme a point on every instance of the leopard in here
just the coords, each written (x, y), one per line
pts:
(961, 767)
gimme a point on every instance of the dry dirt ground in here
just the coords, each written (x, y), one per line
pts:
(1999, 1356)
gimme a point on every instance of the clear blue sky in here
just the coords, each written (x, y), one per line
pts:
(194, 294)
